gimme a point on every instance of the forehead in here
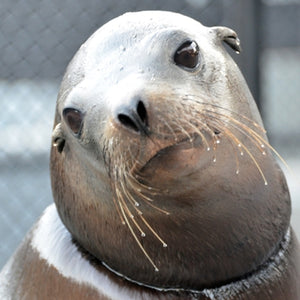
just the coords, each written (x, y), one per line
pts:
(131, 44)
(132, 30)
(142, 23)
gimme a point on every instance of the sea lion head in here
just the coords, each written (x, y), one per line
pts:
(160, 165)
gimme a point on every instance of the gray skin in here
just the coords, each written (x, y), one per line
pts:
(188, 141)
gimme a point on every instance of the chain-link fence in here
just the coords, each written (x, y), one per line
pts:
(39, 37)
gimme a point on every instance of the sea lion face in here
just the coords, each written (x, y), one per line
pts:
(161, 156)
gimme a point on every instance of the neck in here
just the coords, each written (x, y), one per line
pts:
(83, 268)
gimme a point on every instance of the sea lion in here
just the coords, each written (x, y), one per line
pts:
(164, 182)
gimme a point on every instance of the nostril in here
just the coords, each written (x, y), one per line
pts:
(142, 113)
(134, 118)
(127, 122)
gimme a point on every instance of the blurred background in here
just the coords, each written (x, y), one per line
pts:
(39, 37)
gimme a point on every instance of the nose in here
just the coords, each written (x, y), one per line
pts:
(134, 116)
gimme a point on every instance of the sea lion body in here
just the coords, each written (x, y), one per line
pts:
(163, 179)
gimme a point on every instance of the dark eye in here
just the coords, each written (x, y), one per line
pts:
(73, 118)
(187, 55)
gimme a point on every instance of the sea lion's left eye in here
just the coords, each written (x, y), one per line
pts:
(187, 55)
(73, 118)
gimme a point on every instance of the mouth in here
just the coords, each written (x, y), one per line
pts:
(179, 158)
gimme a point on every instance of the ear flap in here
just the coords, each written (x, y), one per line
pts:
(229, 37)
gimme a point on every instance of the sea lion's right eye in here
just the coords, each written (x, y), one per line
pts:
(187, 55)
(73, 118)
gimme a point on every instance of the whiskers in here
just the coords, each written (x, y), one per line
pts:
(127, 189)
(188, 121)
(247, 137)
